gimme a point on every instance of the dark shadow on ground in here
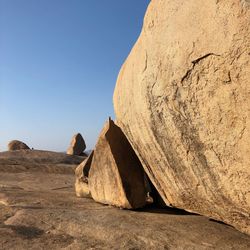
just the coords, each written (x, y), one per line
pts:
(166, 210)
(26, 232)
(220, 222)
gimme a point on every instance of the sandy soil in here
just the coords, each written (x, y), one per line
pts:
(39, 210)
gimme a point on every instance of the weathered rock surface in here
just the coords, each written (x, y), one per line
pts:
(182, 98)
(82, 173)
(38, 210)
(17, 145)
(77, 145)
(116, 176)
(38, 161)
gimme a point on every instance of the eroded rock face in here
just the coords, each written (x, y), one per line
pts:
(17, 145)
(77, 145)
(116, 176)
(82, 173)
(182, 98)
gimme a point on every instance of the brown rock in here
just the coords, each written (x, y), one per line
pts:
(17, 145)
(82, 173)
(116, 176)
(77, 145)
(182, 98)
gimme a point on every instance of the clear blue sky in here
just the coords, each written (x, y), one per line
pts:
(59, 60)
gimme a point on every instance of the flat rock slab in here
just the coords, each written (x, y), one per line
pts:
(39, 210)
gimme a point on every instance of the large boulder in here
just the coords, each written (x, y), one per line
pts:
(82, 173)
(77, 145)
(116, 176)
(17, 145)
(182, 98)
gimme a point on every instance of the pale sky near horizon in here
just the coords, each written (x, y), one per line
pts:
(59, 61)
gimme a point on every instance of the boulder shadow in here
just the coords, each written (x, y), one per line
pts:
(26, 232)
(164, 210)
(220, 222)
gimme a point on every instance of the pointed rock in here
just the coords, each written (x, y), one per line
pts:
(77, 145)
(116, 176)
(82, 173)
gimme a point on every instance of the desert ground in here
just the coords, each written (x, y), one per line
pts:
(39, 210)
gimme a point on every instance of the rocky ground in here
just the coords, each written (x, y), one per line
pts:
(39, 210)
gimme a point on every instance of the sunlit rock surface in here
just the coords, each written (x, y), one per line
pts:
(182, 98)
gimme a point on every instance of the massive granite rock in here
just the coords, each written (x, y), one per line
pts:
(77, 145)
(116, 176)
(82, 174)
(182, 98)
(17, 145)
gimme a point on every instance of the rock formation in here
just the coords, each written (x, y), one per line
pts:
(182, 99)
(77, 145)
(82, 173)
(116, 176)
(17, 145)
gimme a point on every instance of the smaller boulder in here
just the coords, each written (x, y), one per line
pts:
(77, 145)
(116, 176)
(17, 145)
(82, 173)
